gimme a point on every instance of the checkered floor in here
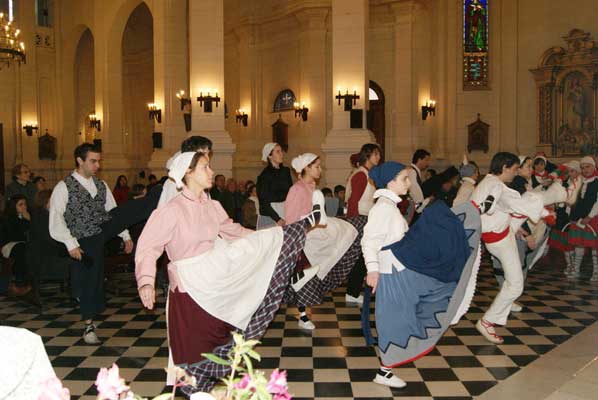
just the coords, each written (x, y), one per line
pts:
(331, 362)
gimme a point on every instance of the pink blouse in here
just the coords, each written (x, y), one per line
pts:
(298, 202)
(186, 227)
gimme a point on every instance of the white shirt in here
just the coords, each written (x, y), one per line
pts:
(60, 195)
(415, 191)
(506, 201)
(465, 191)
(385, 226)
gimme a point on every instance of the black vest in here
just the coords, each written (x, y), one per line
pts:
(84, 214)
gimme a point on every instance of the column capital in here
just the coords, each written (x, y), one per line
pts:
(313, 18)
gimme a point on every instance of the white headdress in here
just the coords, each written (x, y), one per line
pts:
(302, 161)
(268, 147)
(179, 166)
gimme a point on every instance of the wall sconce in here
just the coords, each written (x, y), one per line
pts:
(29, 127)
(241, 116)
(428, 109)
(350, 99)
(94, 122)
(184, 100)
(154, 112)
(206, 101)
(301, 111)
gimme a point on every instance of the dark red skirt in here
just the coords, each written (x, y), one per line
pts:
(192, 330)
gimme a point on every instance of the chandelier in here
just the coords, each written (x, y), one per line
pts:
(11, 49)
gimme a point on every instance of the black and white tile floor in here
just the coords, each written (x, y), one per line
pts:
(331, 362)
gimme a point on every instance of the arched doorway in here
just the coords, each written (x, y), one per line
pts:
(84, 86)
(138, 84)
(376, 117)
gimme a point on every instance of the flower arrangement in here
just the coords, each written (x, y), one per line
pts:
(243, 383)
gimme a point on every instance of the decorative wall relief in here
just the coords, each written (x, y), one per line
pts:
(280, 133)
(46, 147)
(567, 83)
(477, 136)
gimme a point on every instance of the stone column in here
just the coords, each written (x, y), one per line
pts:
(170, 76)
(312, 79)
(404, 106)
(349, 37)
(248, 138)
(206, 59)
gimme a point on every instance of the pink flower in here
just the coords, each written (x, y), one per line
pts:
(51, 389)
(109, 384)
(244, 383)
(278, 382)
(282, 396)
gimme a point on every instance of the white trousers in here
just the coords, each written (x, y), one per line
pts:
(506, 251)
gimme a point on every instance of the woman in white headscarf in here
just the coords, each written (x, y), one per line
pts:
(215, 286)
(273, 183)
(330, 251)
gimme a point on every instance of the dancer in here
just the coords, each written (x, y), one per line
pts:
(78, 209)
(331, 250)
(360, 194)
(584, 222)
(215, 286)
(497, 202)
(273, 184)
(559, 238)
(419, 163)
(419, 292)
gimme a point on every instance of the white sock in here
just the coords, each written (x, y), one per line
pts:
(569, 259)
(579, 252)
(595, 259)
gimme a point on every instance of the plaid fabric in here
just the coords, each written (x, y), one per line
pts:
(313, 292)
(208, 373)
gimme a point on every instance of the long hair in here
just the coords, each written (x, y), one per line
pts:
(366, 151)
(11, 207)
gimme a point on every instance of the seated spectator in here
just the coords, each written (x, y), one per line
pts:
(250, 208)
(137, 191)
(230, 200)
(40, 183)
(152, 181)
(327, 193)
(15, 234)
(429, 173)
(21, 183)
(218, 188)
(339, 193)
(121, 190)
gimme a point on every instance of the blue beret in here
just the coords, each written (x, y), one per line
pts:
(385, 172)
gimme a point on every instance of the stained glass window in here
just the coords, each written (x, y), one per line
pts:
(475, 44)
(284, 101)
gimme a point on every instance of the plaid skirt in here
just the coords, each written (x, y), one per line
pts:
(313, 292)
(209, 373)
(584, 237)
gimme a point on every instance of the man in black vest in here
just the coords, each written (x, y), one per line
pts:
(78, 207)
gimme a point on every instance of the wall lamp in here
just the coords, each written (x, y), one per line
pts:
(428, 109)
(184, 99)
(154, 112)
(94, 122)
(241, 116)
(301, 111)
(29, 127)
(350, 99)
(206, 101)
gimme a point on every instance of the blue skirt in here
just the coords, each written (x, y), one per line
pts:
(411, 315)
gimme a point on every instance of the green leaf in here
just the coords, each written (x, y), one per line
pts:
(215, 359)
(254, 354)
(252, 343)
(248, 364)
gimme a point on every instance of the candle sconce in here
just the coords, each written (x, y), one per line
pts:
(428, 109)
(29, 127)
(241, 116)
(183, 99)
(154, 112)
(206, 101)
(301, 111)
(350, 99)
(94, 122)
